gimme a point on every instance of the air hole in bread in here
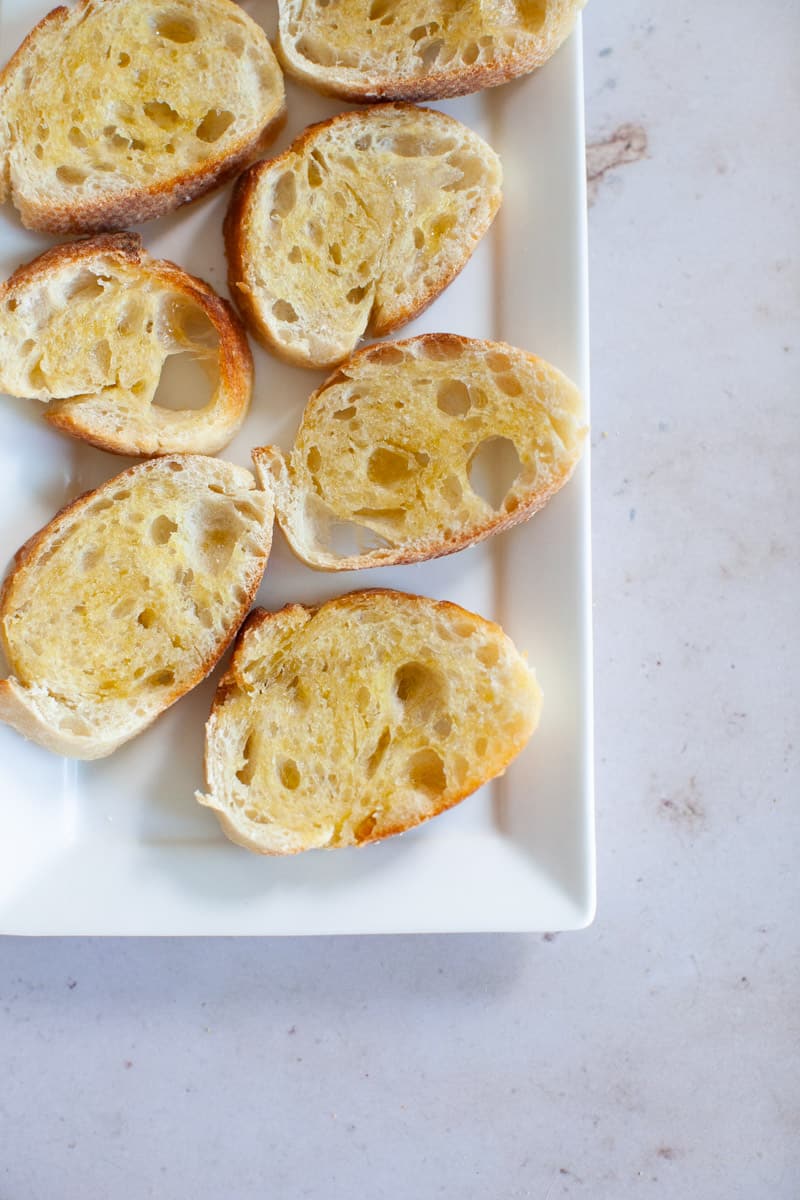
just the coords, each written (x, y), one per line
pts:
(186, 383)
(289, 774)
(509, 385)
(188, 323)
(492, 469)
(488, 654)
(472, 172)
(295, 255)
(441, 349)
(27, 346)
(419, 238)
(91, 558)
(362, 699)
(335, 253)
(376, 757)
(12, 305)
(214, 124)
(217, 545)
(248, 510)
(420, 690)
(101, 352)
(161, 678)
(470, 53)
(162, 114)
(379, 8)
(74, 725)
(282, 310)
(124, 60)
(175, 26)
(388, 467)
(443, 727)
(452, 490)
(481, 746)
(366, 826)
(314, 174)
(71, 175)
(77, 137)
(146, 618)
(426, 772)
(247, 770)
(284, 195)
(452, 397)
(532, 13)
(162, 530)
(234, 43)
(314, 459)
(325, 55)
(498, 363)
(357, 294)
(429, 54)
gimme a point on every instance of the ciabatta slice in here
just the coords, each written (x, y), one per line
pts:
(89, 326)
(357, 227)
(128, 598)
(417, 448)
(344, 724)
(114, 112)
(415, 50)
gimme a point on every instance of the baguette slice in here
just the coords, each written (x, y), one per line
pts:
(127, 598)
(344, 724)
(416, 449)
(113, 112)
(413, 50)
(357, 227)
(88, 328)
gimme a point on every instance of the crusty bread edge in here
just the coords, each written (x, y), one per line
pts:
(237, 217)
(234, 355)
(499, 763)
(270, 461)
(19, 710)
(17, 706)
(438, 85)
(135, 205)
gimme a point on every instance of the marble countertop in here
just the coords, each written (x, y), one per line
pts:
(656, 1053)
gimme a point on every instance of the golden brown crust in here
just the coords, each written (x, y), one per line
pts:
(18, 698)
(490, 768)
(415, 552)
(234, 355)
(134, 205)
(235, 234)
(137, 205)
(371, 88)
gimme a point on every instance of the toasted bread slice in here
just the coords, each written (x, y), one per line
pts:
(415, 449)
(88, 328)
(344, 724)
(112, 113)
(357, 228)
(414, 50)
(127, 598)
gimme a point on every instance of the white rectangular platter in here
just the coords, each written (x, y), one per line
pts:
(119, 846)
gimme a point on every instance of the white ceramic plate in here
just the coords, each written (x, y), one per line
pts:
(119, 846)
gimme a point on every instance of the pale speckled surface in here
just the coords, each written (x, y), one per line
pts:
(656, 1054)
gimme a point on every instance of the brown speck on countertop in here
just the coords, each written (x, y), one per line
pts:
(667, 1153)
(684, 808)
(628, 143)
